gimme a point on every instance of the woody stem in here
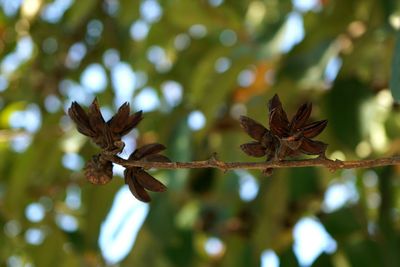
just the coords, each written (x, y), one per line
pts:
(213, 162)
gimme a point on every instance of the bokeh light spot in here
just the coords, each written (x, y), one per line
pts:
(196, 120)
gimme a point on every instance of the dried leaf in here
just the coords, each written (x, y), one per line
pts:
(136, 189)
(79, 116)
(252, 128)
(118, 122)
(278, 125)
(313, 129)
(131, 122)
(147, 150)
(148, 181)
(275, 106)
(96, 120)
(278, 120)
(301, 116)
(311, 147)
(254, 149)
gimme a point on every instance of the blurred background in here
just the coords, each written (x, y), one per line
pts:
(194, 67)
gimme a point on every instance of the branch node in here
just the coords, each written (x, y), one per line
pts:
(214, 161)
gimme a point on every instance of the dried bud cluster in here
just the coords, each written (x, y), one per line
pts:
(137, 179)
(107, 135)
(284, 138)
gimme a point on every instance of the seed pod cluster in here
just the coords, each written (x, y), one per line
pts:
(138, 179)
(107, 135)
(284, 138)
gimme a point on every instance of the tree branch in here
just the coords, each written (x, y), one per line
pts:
(213, 162)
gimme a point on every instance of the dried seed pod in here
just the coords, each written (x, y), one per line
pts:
(107, 135)
(301, 116)
(146, 150)
(122, 123)
(312, 147)
(79, 116)
(131, 122)
(284, 138)
(118, 121)
(313, 129)
(252, 128)
(254, 149)
(141, 180)
(278, 120)
(98, 171)
(136, 189)
(96, 120)
(148, 181)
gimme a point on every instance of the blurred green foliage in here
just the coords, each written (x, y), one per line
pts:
(227, 58)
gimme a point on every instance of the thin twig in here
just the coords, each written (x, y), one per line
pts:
(213, 162)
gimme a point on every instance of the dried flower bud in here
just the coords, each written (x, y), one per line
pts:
(138, 179)
(285, 138)
(106, 135)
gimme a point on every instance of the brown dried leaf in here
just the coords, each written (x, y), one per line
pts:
(275, 105)
(136, 189)
(79, 116)
(311, 147)
(131, 122)
(313, 129)
(278, 125)
(149, 182)
(252, 128)
(146, 150)
(254, 149)
(301, 116)
(118, 122)
(96, 120)
(278, 121)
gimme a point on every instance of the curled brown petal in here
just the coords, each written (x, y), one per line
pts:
(136, 189)
(148, 181)
(278, 125)
(254, 149)
(79, 116)
(301, 116)
(118, 122)
(252, 128)
(313, 129)
(275, 105)
(147, 150)
(96, 120)
(311, 147)
(131, 122)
